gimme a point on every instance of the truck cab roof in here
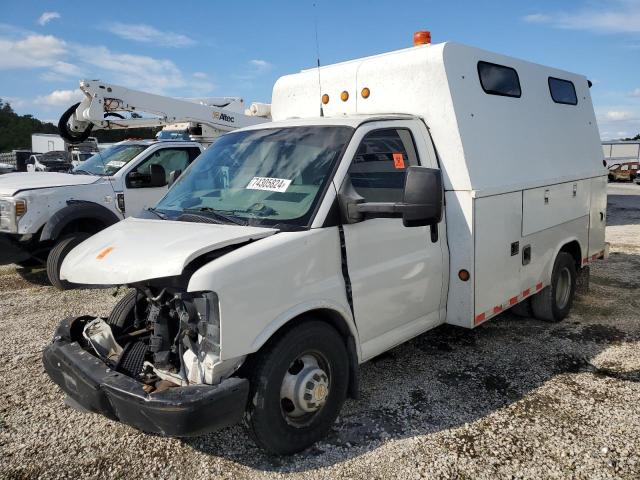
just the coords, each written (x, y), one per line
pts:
(352, 120)
(149, 142)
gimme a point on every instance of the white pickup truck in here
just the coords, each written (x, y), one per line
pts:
(44, 216)
(436, 184)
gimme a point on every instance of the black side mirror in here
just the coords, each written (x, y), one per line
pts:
(423, 197)
(158, 175)
(422, 204)
(173, 176)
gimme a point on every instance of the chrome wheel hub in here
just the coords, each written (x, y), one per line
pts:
(305, 387)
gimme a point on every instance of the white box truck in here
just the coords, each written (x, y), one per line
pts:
(436, 184)
(47, 142)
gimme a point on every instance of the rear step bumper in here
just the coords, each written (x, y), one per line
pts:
(176, 412)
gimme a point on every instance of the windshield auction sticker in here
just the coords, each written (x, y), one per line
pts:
(270, 184)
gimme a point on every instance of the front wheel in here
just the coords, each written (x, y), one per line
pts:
(57, 255)
(553, 303)
(297, 388)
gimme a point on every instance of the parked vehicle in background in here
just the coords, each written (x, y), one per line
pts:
(54, 161)
(45, 215)
(623, 172)
(16, 160)
(47, 142)
(430, 185)
(6, 168)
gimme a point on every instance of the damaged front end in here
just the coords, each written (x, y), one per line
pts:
(157, 367)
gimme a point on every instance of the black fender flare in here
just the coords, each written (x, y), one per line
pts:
(76, 210)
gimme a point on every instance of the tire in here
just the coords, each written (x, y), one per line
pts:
(523, 309)
(122, 316)
(266, 417)
(553, 303)
(57, 256)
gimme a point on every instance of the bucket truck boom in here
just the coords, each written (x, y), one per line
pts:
(104, 105)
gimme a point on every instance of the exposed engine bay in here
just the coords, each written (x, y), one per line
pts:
(170, 339)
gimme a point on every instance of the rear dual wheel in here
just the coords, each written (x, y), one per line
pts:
(553, 302)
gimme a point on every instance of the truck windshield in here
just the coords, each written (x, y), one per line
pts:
(110, 161)
(260, 177)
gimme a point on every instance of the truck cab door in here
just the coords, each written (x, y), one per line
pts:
(396, 272)
(139, 192)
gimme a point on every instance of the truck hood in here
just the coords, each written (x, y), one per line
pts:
(12, 183)
(142, 249)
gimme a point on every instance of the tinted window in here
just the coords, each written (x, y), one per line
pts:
(499, 80)
(171, 159)
(563, 91)
(378, 168)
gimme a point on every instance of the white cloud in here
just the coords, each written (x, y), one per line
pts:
(31, 52)
(254, 69)
(618, 121)
(261, 65)
(618, 115)
(635, 93)
(200, 75)
(136, 71)
(616, 16)
(46, 17)
(148, 34)
(59, 98)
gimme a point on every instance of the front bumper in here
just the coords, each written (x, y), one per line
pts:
(176, 412)
(12, 250)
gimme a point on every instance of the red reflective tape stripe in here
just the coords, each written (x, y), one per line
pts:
(480, 318)
(538, 286)
(513, 300)
(525, 293)
(497, 309)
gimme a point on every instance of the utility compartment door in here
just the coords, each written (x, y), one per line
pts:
(498, 252)
(597, 216)
(546, 207)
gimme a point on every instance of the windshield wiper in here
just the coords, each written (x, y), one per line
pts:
(157, 213)
(83, 172)
(216, 214)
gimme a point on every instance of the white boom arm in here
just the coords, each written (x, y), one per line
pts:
(103, 104)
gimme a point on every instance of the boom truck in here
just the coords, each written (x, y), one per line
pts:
(44, 216)
(435, 184)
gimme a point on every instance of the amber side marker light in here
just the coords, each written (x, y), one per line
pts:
(421, 38)
(21, 208)
(344, 96)
(325, 98)
(464, 275)
(365, 92)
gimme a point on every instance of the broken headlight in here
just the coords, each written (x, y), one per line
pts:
(199, 315)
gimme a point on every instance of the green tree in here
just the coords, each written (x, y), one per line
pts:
(16, 130)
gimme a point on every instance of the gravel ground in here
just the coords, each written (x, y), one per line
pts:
(514, 398)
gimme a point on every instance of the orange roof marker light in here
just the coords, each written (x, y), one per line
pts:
(344, 96)
(325, 98)
(422, 37)
(366, 92)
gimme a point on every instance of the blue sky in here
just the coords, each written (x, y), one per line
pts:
(240, 48)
